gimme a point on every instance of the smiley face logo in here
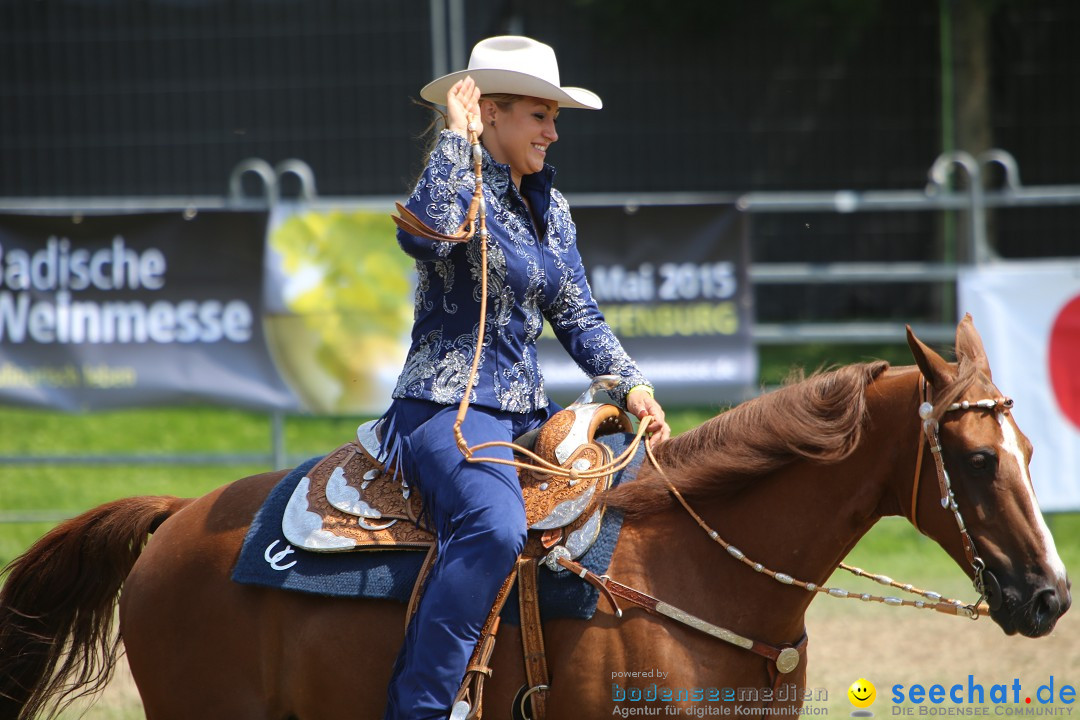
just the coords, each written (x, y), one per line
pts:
(862, 694)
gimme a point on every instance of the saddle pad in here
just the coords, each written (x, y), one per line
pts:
(268, 560)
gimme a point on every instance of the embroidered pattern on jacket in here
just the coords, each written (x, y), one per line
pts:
(528, 279)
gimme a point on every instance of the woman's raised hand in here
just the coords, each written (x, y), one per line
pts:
(463, 100)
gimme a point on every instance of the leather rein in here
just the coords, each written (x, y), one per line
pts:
(786, 658)
(928, 435)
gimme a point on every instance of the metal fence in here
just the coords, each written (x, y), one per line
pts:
(956, 183)
(941, 194)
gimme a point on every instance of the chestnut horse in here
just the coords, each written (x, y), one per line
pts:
(793, 478)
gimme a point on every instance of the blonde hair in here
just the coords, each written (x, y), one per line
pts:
(503, 100)
(440, 121)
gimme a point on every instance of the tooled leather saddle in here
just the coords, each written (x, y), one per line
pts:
(350, 502)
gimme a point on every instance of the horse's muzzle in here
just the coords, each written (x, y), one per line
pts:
(1038, 615)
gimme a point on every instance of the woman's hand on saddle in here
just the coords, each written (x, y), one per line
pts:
(463, 100)
(640, 402)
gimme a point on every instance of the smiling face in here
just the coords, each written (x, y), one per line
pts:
(862, 693)
(522, 133)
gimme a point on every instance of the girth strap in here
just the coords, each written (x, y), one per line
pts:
(532, 638)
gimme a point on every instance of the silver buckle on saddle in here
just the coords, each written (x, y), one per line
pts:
(600, 382)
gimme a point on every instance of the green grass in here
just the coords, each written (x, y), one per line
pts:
(777, 362)
(67, 489)
(893, 547)
(72, 488)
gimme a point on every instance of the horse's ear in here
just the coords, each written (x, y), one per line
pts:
(969, 345)
(937, 371)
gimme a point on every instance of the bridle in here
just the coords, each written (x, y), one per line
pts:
(930, 436)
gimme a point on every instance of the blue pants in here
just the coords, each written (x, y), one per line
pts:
(478, 515)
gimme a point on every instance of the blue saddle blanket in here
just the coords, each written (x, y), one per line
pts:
(267, 559)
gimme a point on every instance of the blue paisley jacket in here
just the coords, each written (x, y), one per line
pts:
(531, 276)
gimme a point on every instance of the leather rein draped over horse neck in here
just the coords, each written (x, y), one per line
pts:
(928, 434)
(786, 658)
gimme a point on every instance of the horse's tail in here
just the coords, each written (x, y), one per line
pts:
(57, 606)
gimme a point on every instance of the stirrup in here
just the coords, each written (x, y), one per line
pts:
(460, 711)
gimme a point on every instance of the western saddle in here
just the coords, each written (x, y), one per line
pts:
(349, 501)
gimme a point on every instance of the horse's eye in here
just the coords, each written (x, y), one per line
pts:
(979, 461)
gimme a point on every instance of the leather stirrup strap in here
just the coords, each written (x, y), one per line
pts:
(421, 581)
(532, 638)
(472, 686)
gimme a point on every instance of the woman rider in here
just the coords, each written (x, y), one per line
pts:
(535, 272)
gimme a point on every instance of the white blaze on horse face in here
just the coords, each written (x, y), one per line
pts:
(1011, 445)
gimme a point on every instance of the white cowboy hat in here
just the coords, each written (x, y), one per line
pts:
(516, 65)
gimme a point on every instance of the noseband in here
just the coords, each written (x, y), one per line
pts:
(929, 436)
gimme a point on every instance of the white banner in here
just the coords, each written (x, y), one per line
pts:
(1028, 313)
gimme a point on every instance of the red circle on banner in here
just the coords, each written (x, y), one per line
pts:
(1064, 353)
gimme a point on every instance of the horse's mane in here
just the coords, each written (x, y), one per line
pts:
(819, 418)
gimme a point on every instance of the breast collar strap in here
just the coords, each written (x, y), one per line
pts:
(783, 658)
